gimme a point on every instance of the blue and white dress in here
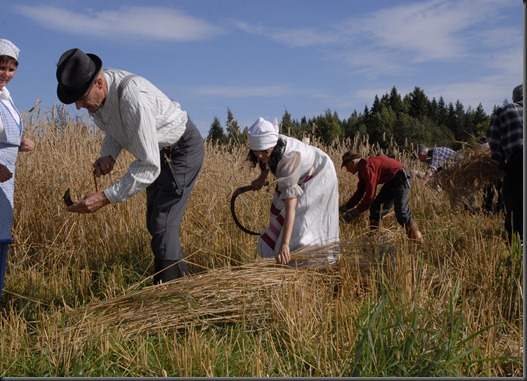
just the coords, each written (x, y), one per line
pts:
(9, 144)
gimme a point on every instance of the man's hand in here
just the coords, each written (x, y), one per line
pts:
(351, 215)
(90, 203)
(103, 165)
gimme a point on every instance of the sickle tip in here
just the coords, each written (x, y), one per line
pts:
(67, 198)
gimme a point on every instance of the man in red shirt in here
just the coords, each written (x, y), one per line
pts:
(394, 193)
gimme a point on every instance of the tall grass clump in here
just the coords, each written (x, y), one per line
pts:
(79, 298)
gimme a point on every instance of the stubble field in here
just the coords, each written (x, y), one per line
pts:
(79, 299)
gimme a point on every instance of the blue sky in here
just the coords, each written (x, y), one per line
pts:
(261, 58)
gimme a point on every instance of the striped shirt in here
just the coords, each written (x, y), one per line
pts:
(505, 133)
(142, 122)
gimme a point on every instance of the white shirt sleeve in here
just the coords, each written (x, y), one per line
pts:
(288, 175)
(139, 133)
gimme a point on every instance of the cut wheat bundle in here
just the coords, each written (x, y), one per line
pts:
(227, 295)
(472, 172)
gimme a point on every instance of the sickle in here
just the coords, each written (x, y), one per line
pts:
(67, 198)
(236, 193)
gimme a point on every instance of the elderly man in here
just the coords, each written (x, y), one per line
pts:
(505, 138)
(168, 149)
(436, 158)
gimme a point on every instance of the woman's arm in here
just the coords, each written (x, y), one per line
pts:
(284, 257)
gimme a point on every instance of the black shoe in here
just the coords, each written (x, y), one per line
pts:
(167, 270)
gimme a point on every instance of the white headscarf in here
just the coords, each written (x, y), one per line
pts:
(262, 135)
(7, 48)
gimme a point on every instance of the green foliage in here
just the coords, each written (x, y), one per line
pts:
(398, 339)
(216, 133)
(234, 135)
(411, 119)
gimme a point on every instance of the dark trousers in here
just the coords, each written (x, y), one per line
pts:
(395, 192)
(166, 199)
(513, 194)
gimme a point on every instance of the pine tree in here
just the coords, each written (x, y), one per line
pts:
(216, 133)
(233, 130)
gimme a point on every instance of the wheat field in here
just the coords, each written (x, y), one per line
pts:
(79, 298)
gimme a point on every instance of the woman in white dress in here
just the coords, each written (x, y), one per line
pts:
(11, 142)
(304, 208)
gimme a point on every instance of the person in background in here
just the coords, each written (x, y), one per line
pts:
(394, 193)
(304, 208)
(505, 138)
(435, 158)
(168, 149)
(11, 142)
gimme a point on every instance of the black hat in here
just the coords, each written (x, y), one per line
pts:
(76, 72)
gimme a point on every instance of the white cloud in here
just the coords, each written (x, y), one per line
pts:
(241, 92)
(144, 23)
(426, 30)
(297, 37)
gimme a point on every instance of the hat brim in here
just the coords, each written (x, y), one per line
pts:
(68, 96)
(346, 161)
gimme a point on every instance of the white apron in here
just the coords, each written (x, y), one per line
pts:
(316, 189)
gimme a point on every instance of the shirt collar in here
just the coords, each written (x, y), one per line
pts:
(5, 94)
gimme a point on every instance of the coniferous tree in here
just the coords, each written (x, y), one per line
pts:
(418, 103)
(328, 127)
(442, 112)
(288, 126)
(459, 129)
(233, 130)
(216, 133)
(396, 102)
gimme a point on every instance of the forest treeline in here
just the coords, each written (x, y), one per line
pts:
(392, 118)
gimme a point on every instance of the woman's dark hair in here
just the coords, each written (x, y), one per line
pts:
(4, 58)
(276, 155)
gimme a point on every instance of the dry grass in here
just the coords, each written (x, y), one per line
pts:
(473, 172)
(83, 282)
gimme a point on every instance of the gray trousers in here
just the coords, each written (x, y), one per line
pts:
(167, 197)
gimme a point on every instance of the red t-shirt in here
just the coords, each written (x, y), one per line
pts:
(372, 171)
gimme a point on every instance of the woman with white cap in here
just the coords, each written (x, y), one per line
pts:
(11, 142)
(304, 208)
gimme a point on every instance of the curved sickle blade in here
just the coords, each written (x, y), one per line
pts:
(235, 194)
(67, 198)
